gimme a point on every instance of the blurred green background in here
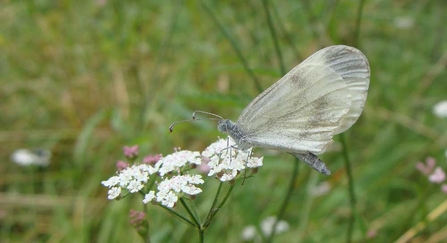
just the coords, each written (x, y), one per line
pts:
(84, 78)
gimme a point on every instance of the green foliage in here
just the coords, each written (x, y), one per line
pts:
(84, 78)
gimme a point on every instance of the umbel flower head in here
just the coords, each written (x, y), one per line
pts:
(172, 175)
(132, 179)
(170, 189)
(177, 161)
(226, 162)
(172, 183)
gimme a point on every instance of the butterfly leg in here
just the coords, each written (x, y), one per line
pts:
(250, 152)
(313, 161)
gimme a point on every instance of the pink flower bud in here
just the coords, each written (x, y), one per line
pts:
(438, 176)
(131, 152)
(121, 165)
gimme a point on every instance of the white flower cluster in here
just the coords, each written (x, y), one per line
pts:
(174, 162)
(132, 179)
(226, 161)
(169, 189)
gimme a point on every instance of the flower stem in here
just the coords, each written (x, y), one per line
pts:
(201, 235)
(352, 198)
(181, 217)
(191, 214)
(147, 239)
(214, 210)
(233, 45)
(286, 201)
(214, 202)
(148, 91)
(282, 67)
(358, 22)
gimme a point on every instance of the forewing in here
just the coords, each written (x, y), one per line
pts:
(353, 67)
(298, 113)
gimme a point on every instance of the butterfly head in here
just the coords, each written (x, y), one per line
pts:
(225, 126)
(228, 127)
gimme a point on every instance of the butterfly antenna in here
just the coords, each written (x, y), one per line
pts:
(171, 127)
(206, 113)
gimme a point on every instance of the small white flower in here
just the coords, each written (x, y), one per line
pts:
(248, 233)
(255, 162)
(147, 168)
(216, 147)
(131, 178)
(140, 175)
(114, 192)
(267, 225)
(194, 179)
(149, 197)
(227, 162)
(173, 162)
(167, 199)
(228, 175)
(111, 182)
(134, 186)
(27, 157)
(125, 176)
(440, 109)
(175, 186)
(191, 190)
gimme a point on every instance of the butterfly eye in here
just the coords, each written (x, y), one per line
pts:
(222, 126)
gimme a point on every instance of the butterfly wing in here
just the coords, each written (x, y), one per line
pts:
(353, 67)
(303, 110)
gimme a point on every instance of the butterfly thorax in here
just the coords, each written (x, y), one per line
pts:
(228, 127)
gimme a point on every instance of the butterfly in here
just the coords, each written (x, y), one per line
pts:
(321, 97)
(299, 114)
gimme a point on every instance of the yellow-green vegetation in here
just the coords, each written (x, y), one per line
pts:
(84, 78)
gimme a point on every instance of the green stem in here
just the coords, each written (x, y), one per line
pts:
(233, 45)
(286, 201)
(191, 214)
(214, 211)
(201, 235)
(213, 205)
(313, 20)
(352, 199)
(156, 81)
(195, 218)
(286, 34)
(181, 217)
(358, 22)
(274, 37)
(306, 208)
(147, 239)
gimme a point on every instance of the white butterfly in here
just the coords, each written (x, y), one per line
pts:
(321, 97)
